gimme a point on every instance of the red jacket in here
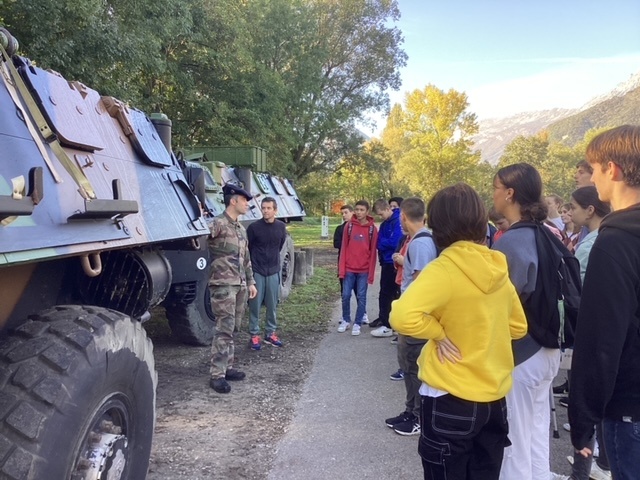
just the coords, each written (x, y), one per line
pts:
(358, 251)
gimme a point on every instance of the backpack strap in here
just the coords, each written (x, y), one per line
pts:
(418, 235)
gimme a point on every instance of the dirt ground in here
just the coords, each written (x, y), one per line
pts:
(201, 434)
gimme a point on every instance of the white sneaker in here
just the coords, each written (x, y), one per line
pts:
(365, 319)
(566, 426)
(382, 332)
(599, 474)
(557, 476)
(343, 326)
(355, 330)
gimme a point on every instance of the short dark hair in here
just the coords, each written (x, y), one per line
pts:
(413, 208)
(457, 213)
(363, 203)
(270, 200)
(620, 145)
(380, 204)
(347, 207)
(584, 164)
(586, 196)
(398, 200)
(526, 183)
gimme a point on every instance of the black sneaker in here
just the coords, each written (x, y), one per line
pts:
(561, 389)
(412, 427)
(564, 401)
(403, 417)
(234, 375)
(376, 323)
(220, 385)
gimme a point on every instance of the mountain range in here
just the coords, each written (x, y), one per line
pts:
(619, 106)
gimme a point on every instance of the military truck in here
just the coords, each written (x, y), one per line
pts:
(99, 223)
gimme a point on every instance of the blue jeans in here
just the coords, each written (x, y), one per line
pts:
(359, 280)
(622, 441)
(268, 288)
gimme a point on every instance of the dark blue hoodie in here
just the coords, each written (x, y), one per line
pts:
(389, 237)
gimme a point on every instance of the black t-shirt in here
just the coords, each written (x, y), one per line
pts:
(265, 242)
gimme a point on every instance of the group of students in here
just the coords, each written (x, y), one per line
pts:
(484, 374)
(360, 243)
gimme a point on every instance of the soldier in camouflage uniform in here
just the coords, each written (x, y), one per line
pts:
(231, 280)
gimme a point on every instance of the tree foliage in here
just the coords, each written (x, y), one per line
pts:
(292, 76)
(430, 140)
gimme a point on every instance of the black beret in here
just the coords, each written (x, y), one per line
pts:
(231, 189)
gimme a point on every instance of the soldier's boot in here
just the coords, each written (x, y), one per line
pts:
(220, 385)
(234, 375)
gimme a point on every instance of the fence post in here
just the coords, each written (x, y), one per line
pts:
(300, 268)
(310, 254)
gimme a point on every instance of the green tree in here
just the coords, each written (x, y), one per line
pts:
(522, 149)
(336, 61)
(438, 128)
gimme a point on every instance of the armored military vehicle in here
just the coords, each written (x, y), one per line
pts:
(187, 305)
(99, 223)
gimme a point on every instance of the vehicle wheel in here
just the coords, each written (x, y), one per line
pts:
(193, 323)
(286, 268)
(78, 396)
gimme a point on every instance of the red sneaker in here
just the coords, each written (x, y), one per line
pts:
(255, 342)
(273, 340)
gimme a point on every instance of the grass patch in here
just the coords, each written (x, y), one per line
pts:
(307, 306)
(307, 233)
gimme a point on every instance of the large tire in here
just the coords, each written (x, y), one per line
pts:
(193, 323)
(286, 268)
(78, 395)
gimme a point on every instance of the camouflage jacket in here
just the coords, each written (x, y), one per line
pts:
(229, 248)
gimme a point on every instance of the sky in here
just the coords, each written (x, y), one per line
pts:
(513, 56)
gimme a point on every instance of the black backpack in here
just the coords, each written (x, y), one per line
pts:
(552, 309)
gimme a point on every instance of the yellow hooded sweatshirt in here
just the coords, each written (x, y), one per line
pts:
(466, 295)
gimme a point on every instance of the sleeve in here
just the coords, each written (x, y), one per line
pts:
(517, 320)
(283, 238)
(582, 254)
(390, 243)
(250, 234)
(372, 256)
(342, 260)
(214, 228)
(522, 259)
(412, 313)
(248, 269)
(607, 306)
(337, 236)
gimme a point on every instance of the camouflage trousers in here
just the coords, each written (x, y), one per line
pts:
(228, 303)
